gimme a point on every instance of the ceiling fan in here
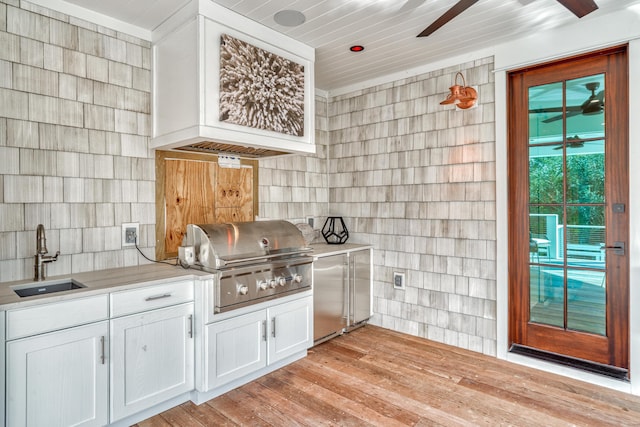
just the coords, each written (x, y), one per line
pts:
(579, 8)
(572, 142)
(592, 105)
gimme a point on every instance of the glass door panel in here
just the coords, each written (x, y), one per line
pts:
(566, 204)
(586, 301)
(545, 106)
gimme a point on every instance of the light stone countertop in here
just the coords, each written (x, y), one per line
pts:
(325, 249)
(99, 282)
(117, 279)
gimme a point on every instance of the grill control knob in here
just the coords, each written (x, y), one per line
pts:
(243, 289)
(272, 283)
(262, 284)
(282, 281)
(296, 278)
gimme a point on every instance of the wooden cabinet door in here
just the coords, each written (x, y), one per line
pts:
(235, 347)
(291, 328)
(58, 379)
(152, 356)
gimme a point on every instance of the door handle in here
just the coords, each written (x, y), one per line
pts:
(617, 248)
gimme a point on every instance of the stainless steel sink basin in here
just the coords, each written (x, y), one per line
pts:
(47, 287)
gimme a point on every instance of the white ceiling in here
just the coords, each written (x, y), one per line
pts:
(387, 28)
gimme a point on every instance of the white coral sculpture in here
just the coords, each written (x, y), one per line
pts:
(260, 89)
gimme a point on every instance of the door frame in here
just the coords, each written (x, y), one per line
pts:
(530, 52)
(612, 349)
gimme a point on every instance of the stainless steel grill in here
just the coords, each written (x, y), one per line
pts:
(256, 261)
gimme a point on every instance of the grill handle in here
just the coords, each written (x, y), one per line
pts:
(226, 263)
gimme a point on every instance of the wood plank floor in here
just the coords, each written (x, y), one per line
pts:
(377, 377)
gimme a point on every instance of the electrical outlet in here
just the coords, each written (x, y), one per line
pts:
(398, 280)
(130, 234)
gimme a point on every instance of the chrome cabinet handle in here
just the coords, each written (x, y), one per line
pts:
(155, 297)
(273, 327)
(102, 356)
(191, 326)
(264, 330)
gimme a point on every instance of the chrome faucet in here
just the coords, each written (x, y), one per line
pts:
(41, 258)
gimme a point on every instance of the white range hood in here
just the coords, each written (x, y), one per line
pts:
(189, 112)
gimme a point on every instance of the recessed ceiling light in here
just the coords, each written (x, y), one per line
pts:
(356, 48)
(289, 18)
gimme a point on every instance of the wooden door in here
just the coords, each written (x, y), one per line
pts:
(568, 209)
(59, 379)
(152, 356)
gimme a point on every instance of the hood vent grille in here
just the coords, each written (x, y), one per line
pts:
(241, 151)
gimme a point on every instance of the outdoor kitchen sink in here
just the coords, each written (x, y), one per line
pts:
(46, 287)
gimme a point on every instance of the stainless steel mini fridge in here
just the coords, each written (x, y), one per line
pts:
(342, 293)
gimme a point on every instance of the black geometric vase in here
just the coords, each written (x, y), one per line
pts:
(334, 231)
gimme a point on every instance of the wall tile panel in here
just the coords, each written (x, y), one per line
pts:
(74, 62)
(60, 146)
(31, 52)
(97, 69)
(23, 189)
(68, 86)
(14, 104)
(27, 24)
(417, 179)
(63, 34)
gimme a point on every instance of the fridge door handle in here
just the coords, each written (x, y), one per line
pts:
(347, 290)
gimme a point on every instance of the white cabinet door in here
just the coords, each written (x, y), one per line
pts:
(58, 379)
(152, 356)
(291, 328)
(235, 347)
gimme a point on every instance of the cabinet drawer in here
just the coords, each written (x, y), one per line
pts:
(150, 297)
(53, 316)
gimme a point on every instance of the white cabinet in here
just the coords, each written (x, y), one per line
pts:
(241, 345)
(152, 356)
(291, 328)
(96, 360)
(58, 378)
(235, 348)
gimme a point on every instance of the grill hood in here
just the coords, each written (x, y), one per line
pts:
(219, 246)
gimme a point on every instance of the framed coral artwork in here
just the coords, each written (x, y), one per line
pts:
(260, 89)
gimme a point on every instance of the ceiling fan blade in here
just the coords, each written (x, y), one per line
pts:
(456, 10)
(579, 8)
